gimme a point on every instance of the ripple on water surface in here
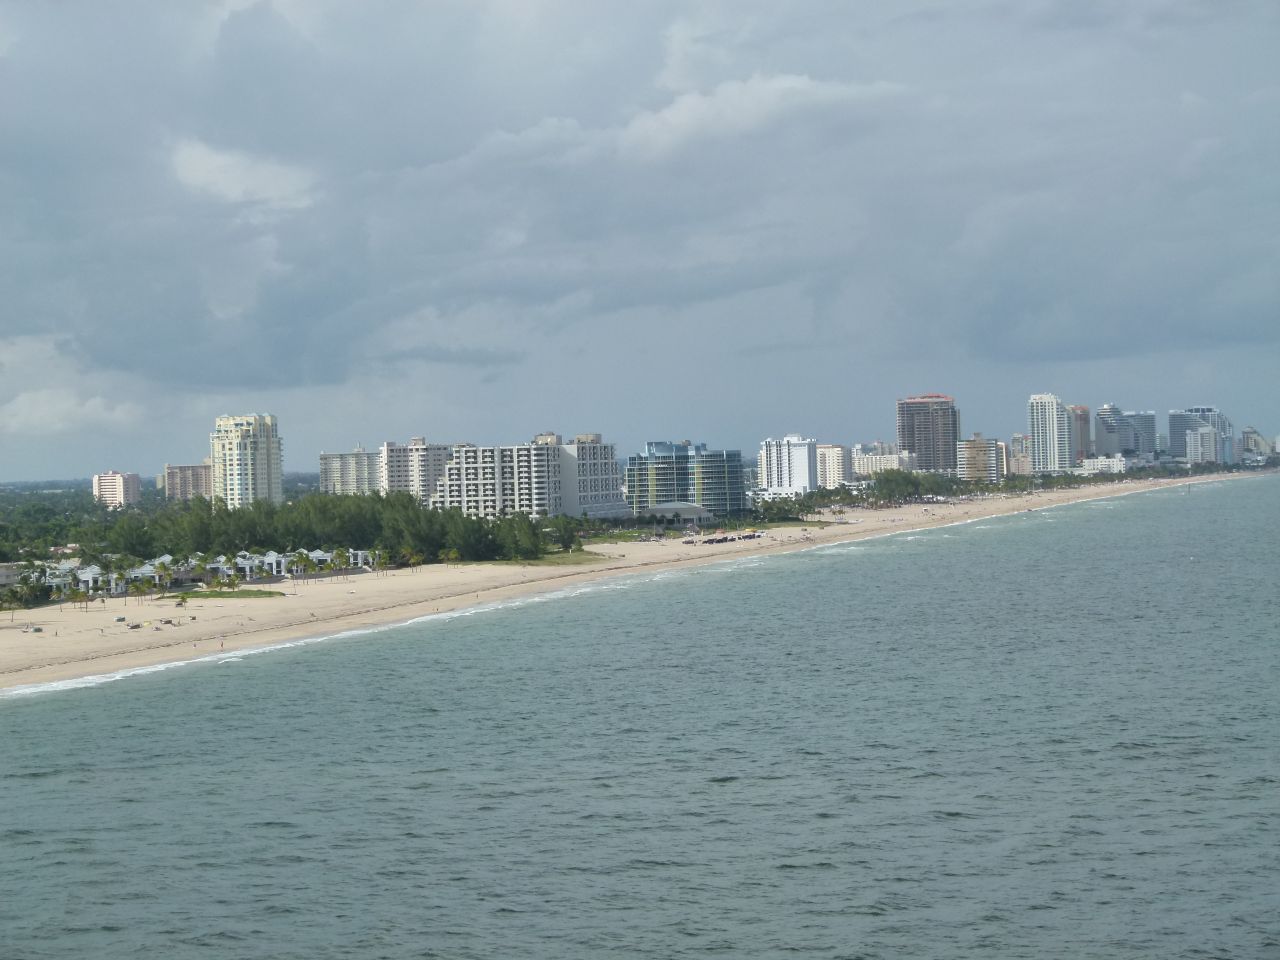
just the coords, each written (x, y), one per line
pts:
(1019, 739)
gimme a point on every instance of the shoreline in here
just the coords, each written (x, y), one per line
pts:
(79, 647)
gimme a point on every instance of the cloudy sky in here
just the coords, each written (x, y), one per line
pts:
(477, 220)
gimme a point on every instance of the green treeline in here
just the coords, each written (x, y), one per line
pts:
(396, 526)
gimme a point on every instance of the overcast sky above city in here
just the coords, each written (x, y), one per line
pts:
(714, 221)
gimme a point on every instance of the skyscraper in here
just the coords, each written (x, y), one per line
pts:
(247, 459)
(1143, 425)
(1113, 433)
(1081, 436)
(1183, 422)
(788, 467)
(929, 427)
(1049, 423)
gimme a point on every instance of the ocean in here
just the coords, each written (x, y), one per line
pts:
(1052, 734)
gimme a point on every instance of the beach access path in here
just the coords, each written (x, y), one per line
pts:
(74, 642)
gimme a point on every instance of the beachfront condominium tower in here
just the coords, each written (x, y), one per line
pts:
(590, 477)
(117, 490)
(246, 456)
(788, 467)
(835, 466)
(542, 478)
(929, 427)
(979, 460)
(682, 472)
(1049, 425)
(1081, 435)
(1184, 422)
(1113, 432)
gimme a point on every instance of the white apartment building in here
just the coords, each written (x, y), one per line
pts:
(186, 481)
(497, 481)
(543, 478)
(835, 466)
(1112, 464)
(357, 472)
(590, 478)
(788, 467)
(246, 454)
(868, 464)
(1203, 444)
(1049, 424)
(117, 490)
(414, 468)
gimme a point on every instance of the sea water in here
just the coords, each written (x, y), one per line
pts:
(1047, 735)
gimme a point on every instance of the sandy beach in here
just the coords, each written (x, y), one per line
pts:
(77, 643)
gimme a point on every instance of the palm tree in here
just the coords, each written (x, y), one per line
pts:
(164, 576)
(340, 560)
(138, 590)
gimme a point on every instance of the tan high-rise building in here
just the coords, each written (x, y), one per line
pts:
(835, 468)
(117, 490)
(246, 455)
(979, 460)
(187, 481)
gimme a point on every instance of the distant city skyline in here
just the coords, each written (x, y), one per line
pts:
(305, 461)
(701, 220)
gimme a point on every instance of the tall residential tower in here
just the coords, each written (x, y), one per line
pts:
(246, 455)
(1049, 424)
(929, 427)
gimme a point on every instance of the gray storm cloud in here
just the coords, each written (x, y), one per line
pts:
(223, 206)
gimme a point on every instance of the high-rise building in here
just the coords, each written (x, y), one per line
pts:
(499, 481)
(590, 478)
(186, 481)
(414, 468)
(835, 467)
(117, 490)
(1201, 444)
(350, 473)
(246, 454)
(1254, 443)
(979, 460)
(1081, 436)
(929, 427)
(682, 472)
(1142, 423)
(543, 478)
(1049, 424)
(1182, 422)
(1113, 432)
(788, 467)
